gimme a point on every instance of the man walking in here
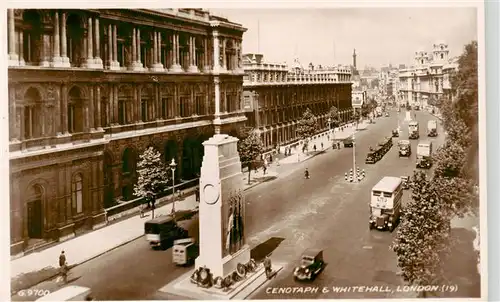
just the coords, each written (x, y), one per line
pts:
(268, 267)
(63, 266)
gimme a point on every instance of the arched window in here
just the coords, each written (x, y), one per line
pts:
(77, 194)
(75, 111)
(33, 120)
(32, 41)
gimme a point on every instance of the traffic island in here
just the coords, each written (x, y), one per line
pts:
(184, 287)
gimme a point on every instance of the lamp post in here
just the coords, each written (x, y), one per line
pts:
(172, 167)
(328, 122)
(354, 171)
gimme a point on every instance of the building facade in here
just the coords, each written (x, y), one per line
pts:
(90, 90)
(428, 78)
(276, 96)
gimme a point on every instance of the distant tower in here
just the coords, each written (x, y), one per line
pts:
(440, 52)
(354, 59)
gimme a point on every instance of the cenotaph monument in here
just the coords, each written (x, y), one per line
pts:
(222, 208)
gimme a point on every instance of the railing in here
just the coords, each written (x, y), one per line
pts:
(125, 206)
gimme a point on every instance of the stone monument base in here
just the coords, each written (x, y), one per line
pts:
(226, 265)
(183, 286)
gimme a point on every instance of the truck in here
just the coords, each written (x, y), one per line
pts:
(432, 128)
(424, 154)
(185, 251)
(413, 132)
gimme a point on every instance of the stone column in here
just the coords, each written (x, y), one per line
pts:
(13, 58)
(90, 43)
(21, 48)
(206, 65)
(115, 104)
(157, 65)
(224, 67)
(155, 48)
(216, 60)
(175, 58)
(44, 49)
(138, 40)
(64, 109)
(64, 42)
(98, 122)
(192, 55)
(159, 51)
(115, 64)
(90, 113)
(56, 56)
(134, 49)
(110, 45)
(97, 55)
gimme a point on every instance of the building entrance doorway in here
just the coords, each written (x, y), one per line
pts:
(35, 224)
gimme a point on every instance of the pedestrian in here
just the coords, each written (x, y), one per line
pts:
(314, 147)
(321, 145)
(62, 259)
(338, 145)
(268, 267)
(270, 158)
(63, 266)
(306, 173)
(264, 169)
(197, 194)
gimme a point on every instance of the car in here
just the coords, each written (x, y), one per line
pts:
(406, 182)
(348, 142)
(311, 264)
(395, 133)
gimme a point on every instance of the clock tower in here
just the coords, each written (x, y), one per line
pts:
(222, 208)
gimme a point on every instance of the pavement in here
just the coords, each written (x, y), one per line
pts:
(284, 217)
(33, 268)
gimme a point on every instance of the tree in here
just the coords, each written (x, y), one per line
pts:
(249, 149)
(333, 115)
(422, 240)
(456, 196)
(307, 125)
(464, 84)
(449, 160)
(153, 176)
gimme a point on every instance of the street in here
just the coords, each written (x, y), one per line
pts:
(326, 212)
(288, 215)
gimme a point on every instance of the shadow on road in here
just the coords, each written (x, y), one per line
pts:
(259, 252)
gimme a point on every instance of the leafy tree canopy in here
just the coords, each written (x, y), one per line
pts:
(422, 238)
(307, 125)
(250, 148)
(333, 115)
(153, 174)
(450, 159)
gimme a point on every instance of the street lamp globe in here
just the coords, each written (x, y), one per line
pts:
(173, 164)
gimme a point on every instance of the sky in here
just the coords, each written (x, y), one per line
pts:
(328, 36)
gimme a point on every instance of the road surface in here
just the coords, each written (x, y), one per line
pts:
(285, 216)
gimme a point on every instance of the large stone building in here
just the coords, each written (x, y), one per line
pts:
(428, 78)
(276, 96)
(89, 90)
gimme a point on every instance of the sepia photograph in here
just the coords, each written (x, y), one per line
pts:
(253, 153)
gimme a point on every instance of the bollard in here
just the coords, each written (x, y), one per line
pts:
(350, 178)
